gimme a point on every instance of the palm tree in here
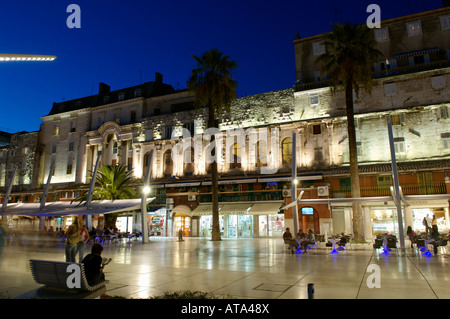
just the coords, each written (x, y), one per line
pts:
(113, 183)
(348, 63)
(213, 86)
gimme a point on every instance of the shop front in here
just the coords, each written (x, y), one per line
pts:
(241, 220)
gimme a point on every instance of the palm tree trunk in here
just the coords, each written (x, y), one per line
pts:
(215, 236)
(358, 232)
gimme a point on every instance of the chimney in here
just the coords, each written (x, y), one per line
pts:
(103, 88)
(158, 78)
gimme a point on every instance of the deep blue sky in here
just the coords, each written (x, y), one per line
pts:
(121, 42)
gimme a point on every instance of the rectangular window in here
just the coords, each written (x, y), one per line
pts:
(69, 169)
(130, 163)
(384, 181)
(317, 129)
(117, 118)
(71, 145)
(381, 35)
(414, 28)
(133, 116)
(445, 22)
(443, 112)
(318, 48)
(438, 82)
(390, 89)
(445, 137)
(73, 126)
(168, 132)
(56, 130)
(148, 135)
(399, 145)
(314, 99)
(53, 149)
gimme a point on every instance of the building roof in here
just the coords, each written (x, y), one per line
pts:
(105, 96)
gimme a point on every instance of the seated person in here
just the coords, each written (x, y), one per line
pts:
(287, 236)
(411, 234)
(93, 265)
(435, 236)
(310, 240)
(342, 241)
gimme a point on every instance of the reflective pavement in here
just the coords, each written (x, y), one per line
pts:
(246, 269)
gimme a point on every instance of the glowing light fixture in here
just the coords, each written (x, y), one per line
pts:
(25, 57)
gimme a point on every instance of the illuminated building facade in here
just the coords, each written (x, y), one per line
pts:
(254, 142)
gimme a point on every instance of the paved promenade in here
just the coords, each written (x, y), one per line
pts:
(247, 269)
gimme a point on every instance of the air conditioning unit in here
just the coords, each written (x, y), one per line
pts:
(322, 190)
(286, 193)
(192, 198)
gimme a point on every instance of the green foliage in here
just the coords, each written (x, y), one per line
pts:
(211, 82)
(350, 55)
(113, 182)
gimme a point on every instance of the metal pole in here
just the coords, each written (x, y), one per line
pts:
(44, 196)
(310, 291)
(144, 201)
(91, 191)
(396, 195)
(294, 184)
(8, 191)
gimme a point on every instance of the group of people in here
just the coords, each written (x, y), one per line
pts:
(77, 236)
(431, 232)
(304, 239)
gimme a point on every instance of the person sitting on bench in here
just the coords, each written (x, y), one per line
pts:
(93, 265)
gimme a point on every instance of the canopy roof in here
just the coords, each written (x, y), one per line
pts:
(55, 209)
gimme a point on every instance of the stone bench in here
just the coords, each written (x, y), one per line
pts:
(53, 275)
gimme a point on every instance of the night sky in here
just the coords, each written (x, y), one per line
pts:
(123, 43)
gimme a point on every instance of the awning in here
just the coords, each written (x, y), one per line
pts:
(203, 209)
(269, 208)
(235, 209)
(55, 209)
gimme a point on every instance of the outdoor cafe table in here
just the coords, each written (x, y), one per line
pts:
(334, 241)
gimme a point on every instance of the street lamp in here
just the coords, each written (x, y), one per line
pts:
(7, 57)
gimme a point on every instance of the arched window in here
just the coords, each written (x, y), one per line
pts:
(236, 156)
(286, 151)
(168, 164)
(261, 154)
(188, 160)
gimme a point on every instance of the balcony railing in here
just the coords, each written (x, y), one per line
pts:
(244, 196)
(407, 189)
(382, 74)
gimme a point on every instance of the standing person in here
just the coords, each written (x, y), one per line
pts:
(73, 238)
(434, 223)
(81, 246)
(426, 223)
